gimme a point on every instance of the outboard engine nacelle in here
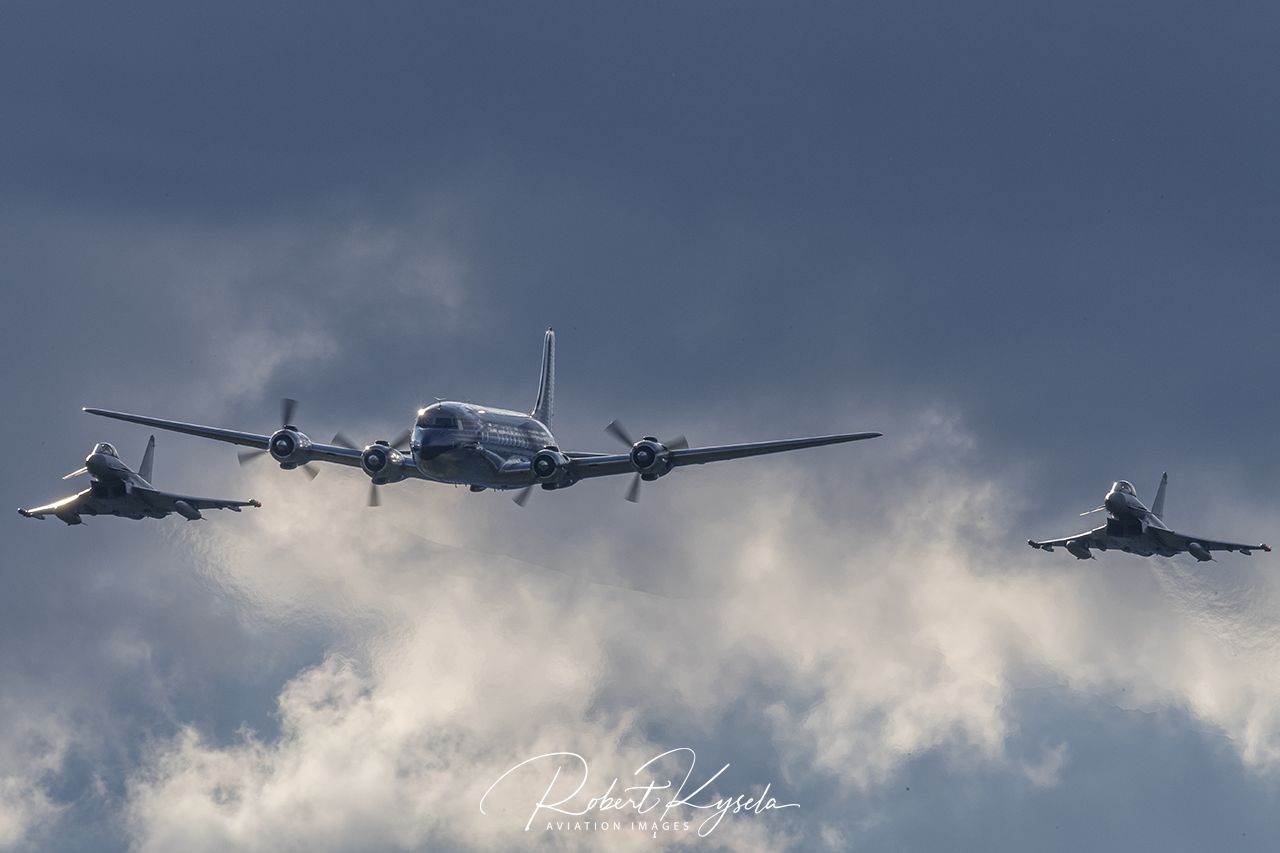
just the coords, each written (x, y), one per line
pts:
(650, 458)
(549, 466)
(382, 462)
(289, 447)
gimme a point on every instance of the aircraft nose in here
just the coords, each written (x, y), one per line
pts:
(97, 464)
(430, 443)
(1115, 503)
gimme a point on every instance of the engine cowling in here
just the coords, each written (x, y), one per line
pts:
(549, 466)
(382, 462)
(651, 458)
(289, 447)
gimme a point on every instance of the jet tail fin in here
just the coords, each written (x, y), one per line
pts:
(1157, 506)
(144, 470)
(547, 381)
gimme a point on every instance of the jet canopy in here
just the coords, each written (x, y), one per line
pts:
(106, 449)
(1126, 487)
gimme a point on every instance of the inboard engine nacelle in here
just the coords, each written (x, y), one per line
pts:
(382, 462)
(289, 447)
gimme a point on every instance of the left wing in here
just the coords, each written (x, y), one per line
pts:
(620, 463)
(1181, 542)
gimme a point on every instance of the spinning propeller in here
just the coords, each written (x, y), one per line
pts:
(287, 407)
(341, 439)
(618, 431)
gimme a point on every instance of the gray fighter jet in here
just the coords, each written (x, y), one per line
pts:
(1133, 528)
(116, 489)
(484, 447)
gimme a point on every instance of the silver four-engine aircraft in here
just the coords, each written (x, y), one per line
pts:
(1133, 528)
(116, 489)
(484, 447)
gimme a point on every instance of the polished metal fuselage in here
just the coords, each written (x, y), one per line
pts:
(470, 444)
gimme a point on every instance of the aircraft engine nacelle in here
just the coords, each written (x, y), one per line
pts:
(187, 511)
(289, 447)
(1079, 550)
(650, 458)
(550, 466)
(382, 462)
(1198, 551)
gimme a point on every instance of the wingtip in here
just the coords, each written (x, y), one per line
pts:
(255, 503)
(22, 512)
(1034, 544)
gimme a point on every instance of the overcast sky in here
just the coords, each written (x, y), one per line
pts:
(1034, 244)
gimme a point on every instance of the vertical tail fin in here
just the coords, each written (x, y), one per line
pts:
(547, 382)
(1157, 506)
(144, 470)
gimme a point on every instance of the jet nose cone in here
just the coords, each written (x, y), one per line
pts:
(97, 464)
(1115, 503)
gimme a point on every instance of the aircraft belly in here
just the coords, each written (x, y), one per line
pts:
(1140, 545)
(471, 467)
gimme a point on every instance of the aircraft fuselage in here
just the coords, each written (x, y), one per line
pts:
(469, 444)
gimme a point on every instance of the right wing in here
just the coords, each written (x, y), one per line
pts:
(318, 452)
(1096, 538)
(65, 505)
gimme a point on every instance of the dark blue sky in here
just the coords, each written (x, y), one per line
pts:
(1035, 245)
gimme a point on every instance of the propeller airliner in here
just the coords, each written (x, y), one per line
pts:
(484, 447)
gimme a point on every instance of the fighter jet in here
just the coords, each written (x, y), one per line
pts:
(1133, 528)
(115, 489)
(484, 447)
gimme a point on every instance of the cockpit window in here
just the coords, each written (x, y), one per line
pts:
(105, 448)
(437, 419)
(1125, 486)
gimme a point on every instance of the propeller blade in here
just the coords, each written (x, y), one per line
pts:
(246, 456)
(311, 473)
(402, 439)
(522, 496)
(633, 491)
(374, 498)
(677, 443)
(1090, 512)
(340, 439)
(618, 431)
(287, 407)
(76, 473)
